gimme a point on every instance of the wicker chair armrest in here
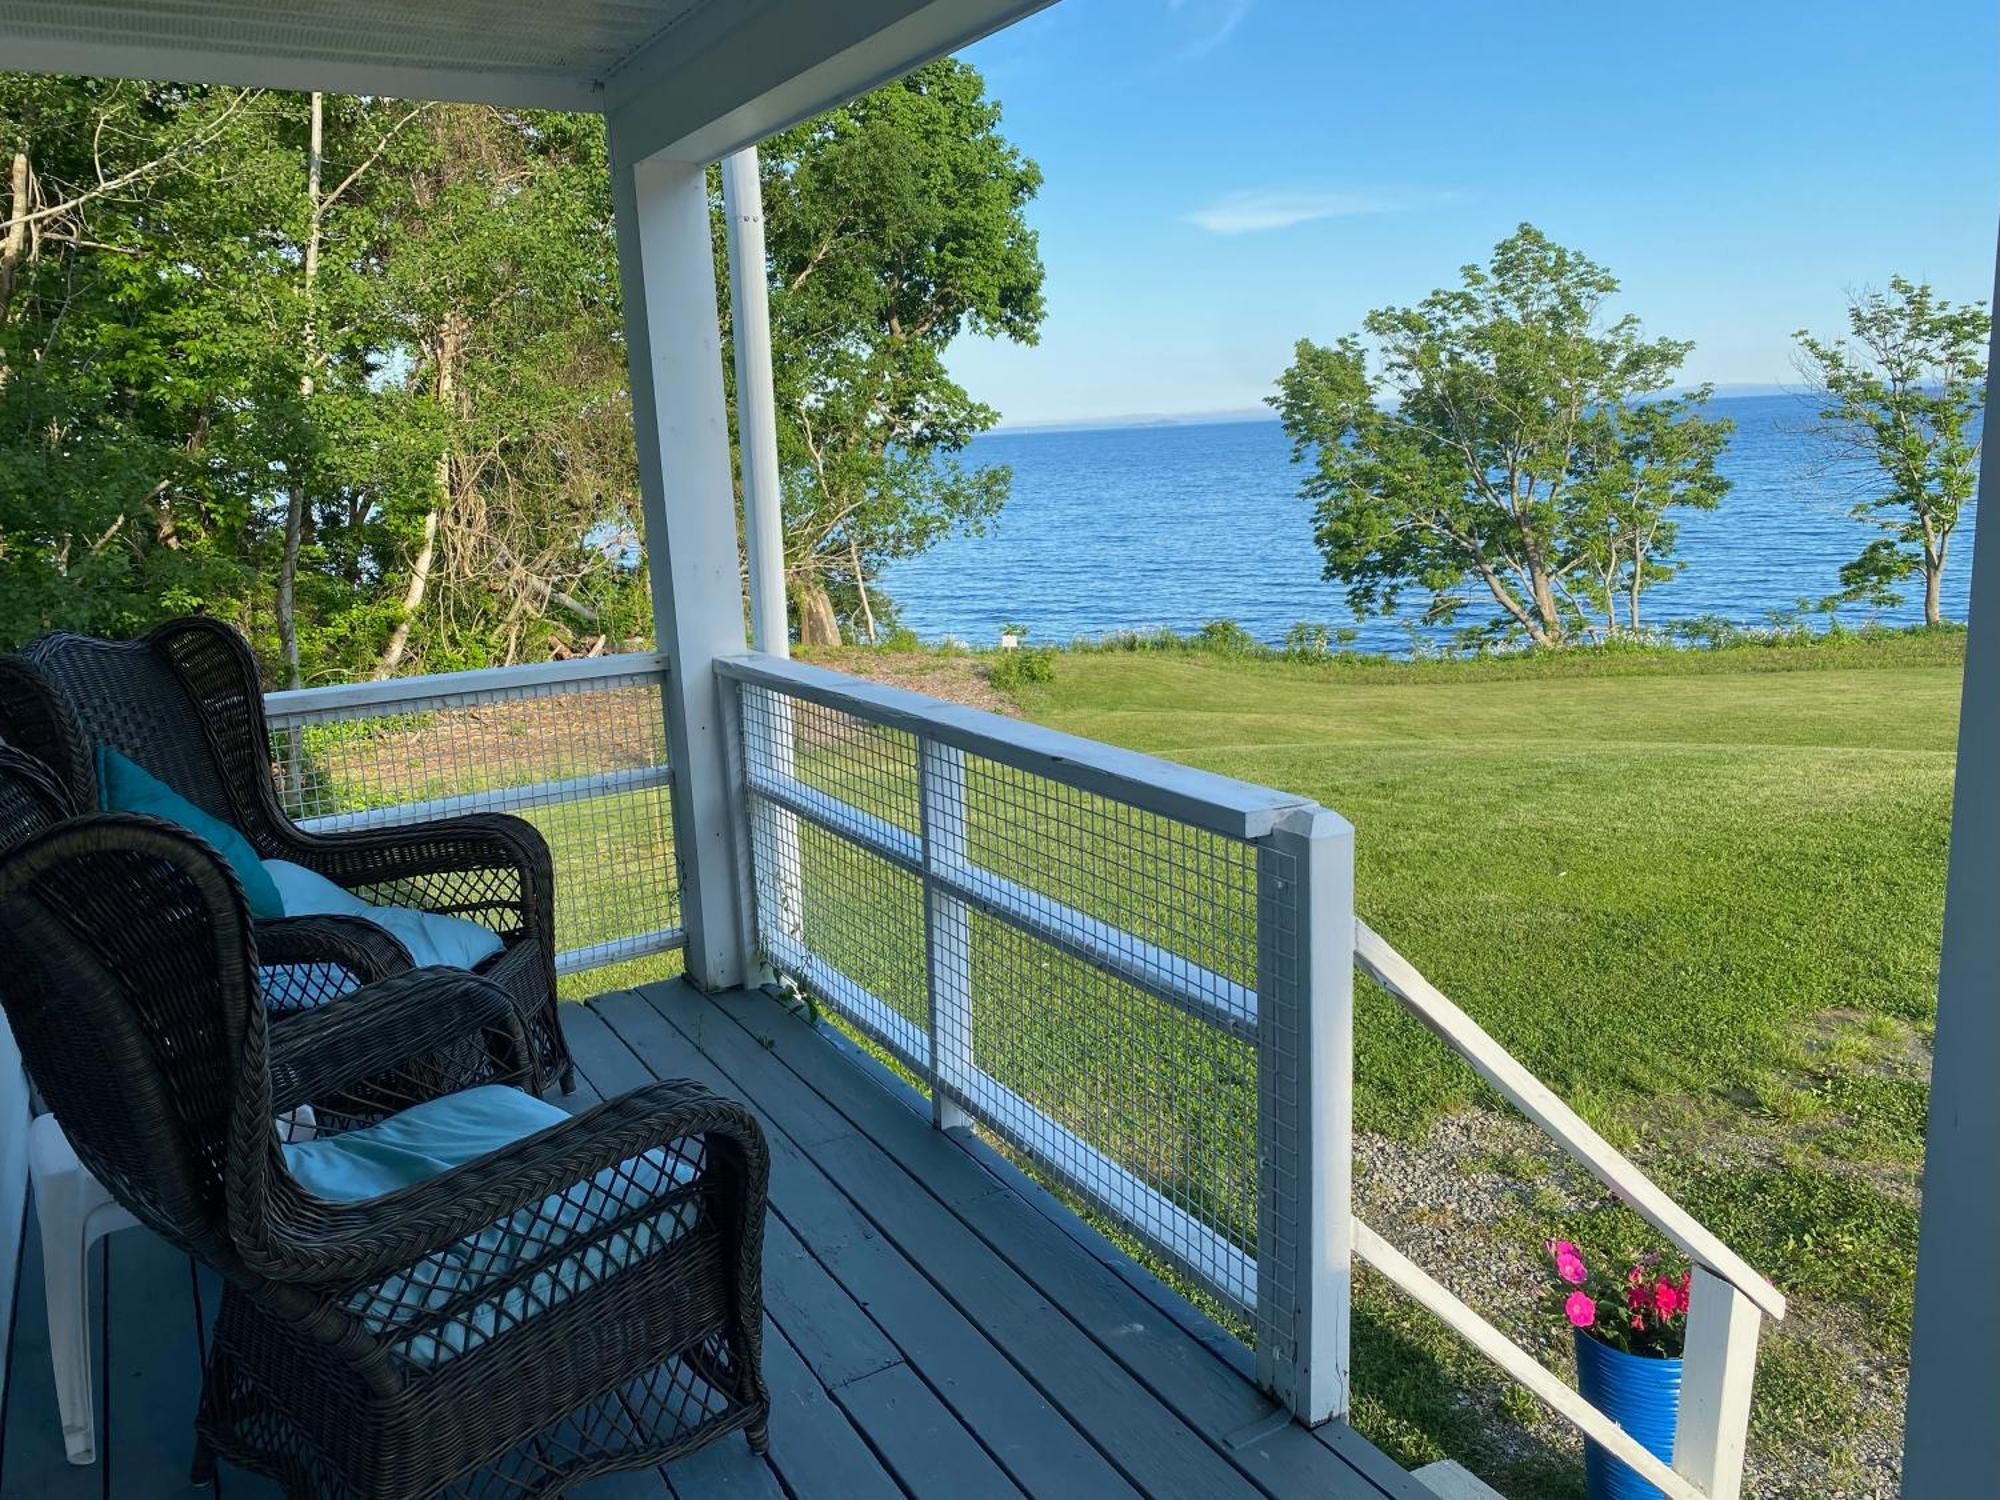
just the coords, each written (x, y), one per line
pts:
(494, 842)
(397, 1042)
(559, 1172)
(355, 944)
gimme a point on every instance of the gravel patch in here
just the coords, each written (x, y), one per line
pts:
(1461, 1203)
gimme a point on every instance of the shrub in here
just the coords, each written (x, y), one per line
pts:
(1012, 670)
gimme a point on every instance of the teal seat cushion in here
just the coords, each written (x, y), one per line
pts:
(455, 1300)
(418, 1143)
(125, 787)
(433, 938)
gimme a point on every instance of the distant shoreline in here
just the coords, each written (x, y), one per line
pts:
(1140, 421)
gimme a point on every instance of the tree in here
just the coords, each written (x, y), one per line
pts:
(1501, 441)
(1901, 394)
(894, 224)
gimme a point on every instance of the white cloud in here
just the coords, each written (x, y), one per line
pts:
(1281, 208)
(1209, 22)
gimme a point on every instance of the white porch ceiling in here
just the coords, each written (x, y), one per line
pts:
(691, 76)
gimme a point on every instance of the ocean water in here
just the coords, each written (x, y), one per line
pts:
(1140, 527)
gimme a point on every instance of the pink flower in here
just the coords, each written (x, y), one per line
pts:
(1579, 1309)
(1569, 1263)
(1667, 1298)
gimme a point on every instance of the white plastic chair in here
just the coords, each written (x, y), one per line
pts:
(76, 1212)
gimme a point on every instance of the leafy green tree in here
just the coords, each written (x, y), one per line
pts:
(1498, 441)
(1901, 394)
(894, 224)
(1640, 462)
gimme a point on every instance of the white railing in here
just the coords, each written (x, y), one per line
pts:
(1132, 973)
(575, 747)
(1071, 945)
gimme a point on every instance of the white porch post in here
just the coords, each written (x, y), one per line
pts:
(666, 264)
(756, 405)
(1951, 1439)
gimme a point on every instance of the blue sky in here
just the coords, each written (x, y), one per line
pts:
(1226, 176)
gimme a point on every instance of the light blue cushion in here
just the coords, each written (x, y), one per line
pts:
(433, 938)
(418, 1143)
(434, 1310)
(125, 787)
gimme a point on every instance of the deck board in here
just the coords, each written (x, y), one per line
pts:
(937, 1327)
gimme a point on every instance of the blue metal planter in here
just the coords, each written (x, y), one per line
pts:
(1641, 1395)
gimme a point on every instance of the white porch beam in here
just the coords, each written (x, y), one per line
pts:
(107, 56)
(1951, 1439)
(666, 263)
(721, 81)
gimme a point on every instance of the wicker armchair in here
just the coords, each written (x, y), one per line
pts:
(185, 703)
(585, 1300)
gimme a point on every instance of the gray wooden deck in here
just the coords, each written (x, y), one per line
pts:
(938, 1327)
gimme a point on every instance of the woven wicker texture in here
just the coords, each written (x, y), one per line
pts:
(604, 1305)
(185, 703)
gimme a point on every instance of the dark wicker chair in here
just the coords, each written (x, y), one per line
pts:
(32, 802)
(603, 1303)
(185, 703)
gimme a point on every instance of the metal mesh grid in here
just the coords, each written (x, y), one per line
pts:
(846, 922)
(1281, 986)
(1087, 970)
(1157, 883)
(1156, 1112)
(584, 761)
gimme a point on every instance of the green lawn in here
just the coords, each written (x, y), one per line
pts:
(1699, 894)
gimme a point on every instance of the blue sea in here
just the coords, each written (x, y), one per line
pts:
(1139, 527)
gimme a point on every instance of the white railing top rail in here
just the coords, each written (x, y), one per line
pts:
(1221, 804)
(446, 687)
(1556, 1119)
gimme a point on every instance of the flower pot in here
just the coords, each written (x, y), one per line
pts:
(1643, 1396)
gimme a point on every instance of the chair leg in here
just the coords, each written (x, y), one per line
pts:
(759, 1434)
(202, 1470)
(65, 1272)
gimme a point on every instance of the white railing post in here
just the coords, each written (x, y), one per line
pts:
(1718, 1370)
(947, 928)
(1305, 1000)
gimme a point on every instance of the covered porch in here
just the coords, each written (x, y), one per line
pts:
(936, 1324)
(1000, 996)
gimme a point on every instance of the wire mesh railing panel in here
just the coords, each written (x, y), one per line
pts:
(857, 939)
(1171, 907)
(1076, 973)
(583, 760)
(870, 768)
(1146, 1111)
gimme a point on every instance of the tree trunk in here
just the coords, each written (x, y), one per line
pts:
(817, 625)
(14, 248)
(1632, 589)
(444, 356)
(413, 596)
(861, 587)
(295, 494)
(1933, 580)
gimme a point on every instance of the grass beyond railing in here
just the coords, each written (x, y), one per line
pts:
(577, 748)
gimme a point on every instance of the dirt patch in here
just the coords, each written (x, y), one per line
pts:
(956, 679)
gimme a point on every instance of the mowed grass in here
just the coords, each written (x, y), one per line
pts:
(1641, 885)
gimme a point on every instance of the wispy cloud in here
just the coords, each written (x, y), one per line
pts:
(1281, 208)
(1208, 23)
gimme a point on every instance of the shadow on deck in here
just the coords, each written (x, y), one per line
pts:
(938, 1327)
